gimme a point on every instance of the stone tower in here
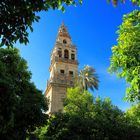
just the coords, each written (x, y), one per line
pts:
(63, 70)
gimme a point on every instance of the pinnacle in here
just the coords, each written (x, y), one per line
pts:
(62, 24)
(63, 31)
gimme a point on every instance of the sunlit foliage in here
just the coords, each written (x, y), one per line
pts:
(125, 60)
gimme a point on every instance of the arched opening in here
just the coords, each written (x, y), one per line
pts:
(59, 52)
(64, 41)
(73, 56)
(66, 54)
(62, 72)
(71, 73)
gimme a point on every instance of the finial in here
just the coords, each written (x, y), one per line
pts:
(62, 27)
(62, 23)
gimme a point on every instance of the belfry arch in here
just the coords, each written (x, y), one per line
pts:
(66, 54)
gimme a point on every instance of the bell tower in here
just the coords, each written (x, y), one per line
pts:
(63, 70)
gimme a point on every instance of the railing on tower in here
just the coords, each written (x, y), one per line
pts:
(62, 79)
(56, 58)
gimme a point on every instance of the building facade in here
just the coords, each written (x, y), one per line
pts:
(63, 70)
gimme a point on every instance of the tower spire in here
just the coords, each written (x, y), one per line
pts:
(62, 24)
(63, 31)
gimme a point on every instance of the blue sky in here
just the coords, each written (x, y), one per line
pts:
(92, 27)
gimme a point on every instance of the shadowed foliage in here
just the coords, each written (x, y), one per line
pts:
(17, 17)
(115, 2)
(21, 103)
(88, 118)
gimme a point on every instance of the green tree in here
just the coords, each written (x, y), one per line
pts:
(115, 2)
(21, 103)
(77, 102)
(134, 113)
(125, 60)
(17, 16)
(86, 118)
(88, 78)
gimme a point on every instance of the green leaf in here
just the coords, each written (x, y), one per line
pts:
(60, 7)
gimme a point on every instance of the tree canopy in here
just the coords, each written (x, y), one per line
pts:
(125, 60)
(21, 103)
(86, 117)
(115, 2)
(17, 17)
(134, 113)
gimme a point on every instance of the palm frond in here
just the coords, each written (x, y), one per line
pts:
(88, 78)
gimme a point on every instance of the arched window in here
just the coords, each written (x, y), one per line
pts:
(66, 54)
(62, 72)
(73, 56)
(64, 41)
(59, 52)
(63, 29)
(71, 73)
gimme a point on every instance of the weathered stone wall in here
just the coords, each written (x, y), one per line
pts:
(58, 95)
(63, 70)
